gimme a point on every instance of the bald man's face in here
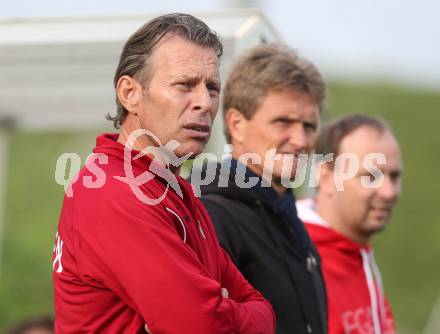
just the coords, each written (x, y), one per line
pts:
(361, 211)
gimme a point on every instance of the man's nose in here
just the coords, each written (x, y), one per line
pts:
(202, 99)
(298, 137)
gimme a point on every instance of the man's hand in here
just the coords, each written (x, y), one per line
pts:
(147, 329)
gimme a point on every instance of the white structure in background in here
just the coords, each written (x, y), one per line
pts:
(57, 73)
(433, 323)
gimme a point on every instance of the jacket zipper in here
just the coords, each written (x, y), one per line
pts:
(311, 261)
(312, 266)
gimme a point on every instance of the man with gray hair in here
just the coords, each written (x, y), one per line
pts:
(135, 250)
(271, 111)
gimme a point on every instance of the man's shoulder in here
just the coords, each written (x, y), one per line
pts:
(232, 219)
(217, 199)
(94, 200)
(101, 180)
(221, 205)
(97, 186)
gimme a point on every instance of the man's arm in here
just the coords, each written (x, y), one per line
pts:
(138, 254)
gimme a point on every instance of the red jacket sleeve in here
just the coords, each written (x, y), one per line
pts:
(135, 251)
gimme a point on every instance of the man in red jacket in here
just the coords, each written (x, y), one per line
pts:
(358, 188)
(135, 250)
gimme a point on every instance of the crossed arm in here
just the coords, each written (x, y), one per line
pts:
(149, 267)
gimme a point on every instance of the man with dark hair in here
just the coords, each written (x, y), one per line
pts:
(135, 250)
(272, 104)
(358, 188)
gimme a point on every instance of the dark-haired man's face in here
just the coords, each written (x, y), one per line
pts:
(182, 96)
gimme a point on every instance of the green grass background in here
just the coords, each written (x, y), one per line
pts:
(407, 252)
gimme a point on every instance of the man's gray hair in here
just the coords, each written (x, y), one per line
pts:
(137, 51)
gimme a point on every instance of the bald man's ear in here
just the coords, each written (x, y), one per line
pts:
(236, 123)
(129, 93)
(326, 179)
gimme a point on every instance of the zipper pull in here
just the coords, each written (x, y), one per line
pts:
(311, 262)
(309, 328)
(201, 230)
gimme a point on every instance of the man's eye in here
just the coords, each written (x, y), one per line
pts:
(183, 85)
(395, 177)
(310, 126)
(373, 176)
(283, 121)
(213, 89)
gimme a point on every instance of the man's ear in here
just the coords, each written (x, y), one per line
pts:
(326, 179)
(129, 93)
(236, 123)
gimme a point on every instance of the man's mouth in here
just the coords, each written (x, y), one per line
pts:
(383, 212)
(289, 152)
(198, 130)
(291, 155)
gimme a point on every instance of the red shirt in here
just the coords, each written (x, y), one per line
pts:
(120, 263)
(356, 302)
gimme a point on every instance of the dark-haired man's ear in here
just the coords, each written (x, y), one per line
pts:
(129, 93)
(326, 180)
(236, 123)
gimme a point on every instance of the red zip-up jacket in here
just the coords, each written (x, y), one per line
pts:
(119, 263)
(355, 297)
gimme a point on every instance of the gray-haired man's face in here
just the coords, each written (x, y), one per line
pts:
(182, 97)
